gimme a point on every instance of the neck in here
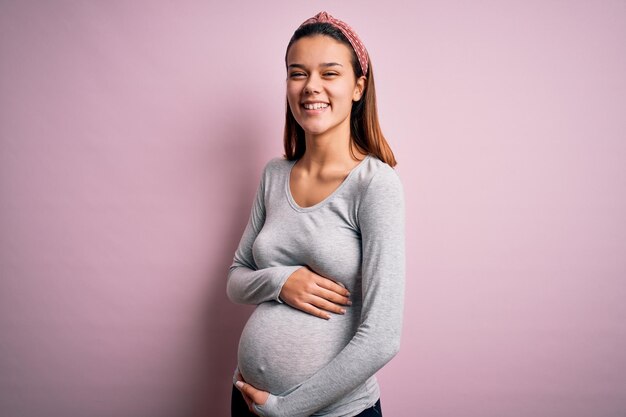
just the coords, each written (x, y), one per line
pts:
(330, 149)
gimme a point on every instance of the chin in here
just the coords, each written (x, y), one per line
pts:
(314, 130)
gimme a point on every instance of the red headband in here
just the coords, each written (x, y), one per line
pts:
(348, 32)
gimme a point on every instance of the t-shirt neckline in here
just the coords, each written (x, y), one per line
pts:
(292, 201)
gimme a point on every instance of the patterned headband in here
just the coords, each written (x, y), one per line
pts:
(348, 32)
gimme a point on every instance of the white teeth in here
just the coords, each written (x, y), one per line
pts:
(315, 106)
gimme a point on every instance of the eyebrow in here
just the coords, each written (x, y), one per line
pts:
(325, 64)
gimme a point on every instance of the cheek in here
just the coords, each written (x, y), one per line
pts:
(293, 94)
(343, 96)
(293, 106)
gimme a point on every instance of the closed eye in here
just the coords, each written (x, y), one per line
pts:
(297, 74)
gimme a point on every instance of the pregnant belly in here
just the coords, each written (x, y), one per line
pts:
(280, 346)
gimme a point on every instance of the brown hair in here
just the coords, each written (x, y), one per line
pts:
(365, 132)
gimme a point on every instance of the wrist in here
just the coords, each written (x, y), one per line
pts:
(269, 409)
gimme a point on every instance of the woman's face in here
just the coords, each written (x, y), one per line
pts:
(321, 85)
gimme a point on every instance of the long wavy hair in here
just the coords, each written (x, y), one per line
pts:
(365, 132)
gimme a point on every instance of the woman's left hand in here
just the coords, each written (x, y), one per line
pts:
(251, 394)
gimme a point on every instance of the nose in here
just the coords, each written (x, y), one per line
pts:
(312, 85)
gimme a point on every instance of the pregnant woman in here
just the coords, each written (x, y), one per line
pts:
(322, 255)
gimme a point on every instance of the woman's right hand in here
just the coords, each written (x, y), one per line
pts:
(314, 294)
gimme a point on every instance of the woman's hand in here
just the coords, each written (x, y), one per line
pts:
(250, 394)
(314, 294)
(246, 398)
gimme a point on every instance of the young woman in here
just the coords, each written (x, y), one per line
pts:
(322, 255)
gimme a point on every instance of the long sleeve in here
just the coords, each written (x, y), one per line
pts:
(248, 284)
(377, 339)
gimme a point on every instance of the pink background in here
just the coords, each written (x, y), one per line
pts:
(132, 135)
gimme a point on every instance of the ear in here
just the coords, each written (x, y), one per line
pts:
(359, 88)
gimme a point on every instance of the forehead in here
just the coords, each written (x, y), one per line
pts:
(317, 49)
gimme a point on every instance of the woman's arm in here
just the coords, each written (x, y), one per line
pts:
(246, 283)
(377, 339)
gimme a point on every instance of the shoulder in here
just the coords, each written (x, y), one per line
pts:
(276, 167)
(380, 188)
(277, 163)
(375, 174)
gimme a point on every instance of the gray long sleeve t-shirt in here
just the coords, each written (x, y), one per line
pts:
(355, 237)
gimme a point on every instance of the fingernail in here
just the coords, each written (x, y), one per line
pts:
(349, 302)
(343, 311)
(239, 384)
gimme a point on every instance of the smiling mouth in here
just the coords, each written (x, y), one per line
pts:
(315, 106)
